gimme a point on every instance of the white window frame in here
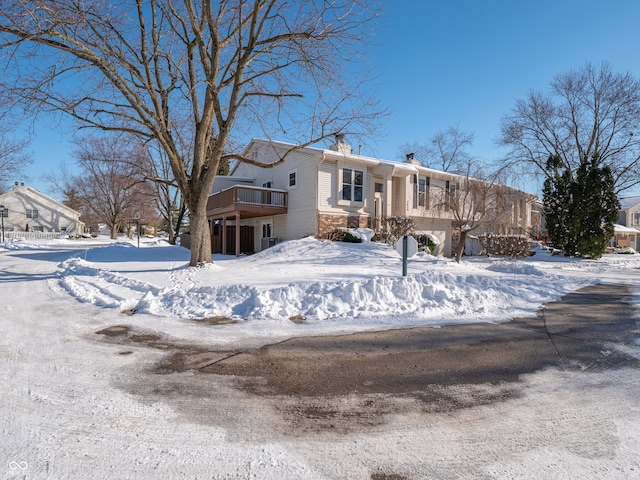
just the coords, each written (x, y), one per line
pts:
(351, 186)
(450, 194)
(423, 195)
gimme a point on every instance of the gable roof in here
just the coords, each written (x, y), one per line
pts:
(627, 203)
(402, 168)
(41, 198)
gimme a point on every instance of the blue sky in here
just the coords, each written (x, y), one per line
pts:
(461, 62)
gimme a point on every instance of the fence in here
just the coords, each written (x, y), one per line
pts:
(35, 235)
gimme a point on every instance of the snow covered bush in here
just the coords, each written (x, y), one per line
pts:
(511, 246)
(343, 235)
(427, 240)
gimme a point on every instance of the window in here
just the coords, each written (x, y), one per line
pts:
(292, 179)
(37, 228)
(379, 187)
(352, 185)
(636, 219)
(421, 191)
(450, 193)
(32, 213)
(266, 230)
(267, 184)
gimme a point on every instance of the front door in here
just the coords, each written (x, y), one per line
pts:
(378, 204)
(266, 239)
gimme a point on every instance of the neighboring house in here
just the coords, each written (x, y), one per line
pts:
(538, 221)
(28, 210)
(627, 231)
(315, 190)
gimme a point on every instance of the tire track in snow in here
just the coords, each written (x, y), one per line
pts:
(434, 295)
(101, 287)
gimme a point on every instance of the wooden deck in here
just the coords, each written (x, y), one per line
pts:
(248, 201)
(240, 202)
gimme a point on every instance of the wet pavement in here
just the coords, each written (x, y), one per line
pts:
(580, 331)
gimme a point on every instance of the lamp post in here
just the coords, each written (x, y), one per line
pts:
(2, 215)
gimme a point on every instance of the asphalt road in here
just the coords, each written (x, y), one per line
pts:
(580, 332)
(450, 402)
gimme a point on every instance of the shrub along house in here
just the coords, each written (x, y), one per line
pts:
(315, 190)
(26, 210)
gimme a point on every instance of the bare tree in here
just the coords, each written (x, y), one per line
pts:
(445, 150)
(168, 199)
(474, 199)
(13, 154)
(111, 184)
(588, 112)
(232, 67)
(13, 159)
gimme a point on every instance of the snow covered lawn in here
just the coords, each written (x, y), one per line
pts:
(66, 411)
(336, 287)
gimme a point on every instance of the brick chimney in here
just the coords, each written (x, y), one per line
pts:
(411, 158)
(340, 145)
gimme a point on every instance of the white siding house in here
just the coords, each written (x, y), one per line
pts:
(28, 210)
(315, 190)
(627, 232)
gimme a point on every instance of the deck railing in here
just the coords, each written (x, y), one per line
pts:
(249, 196)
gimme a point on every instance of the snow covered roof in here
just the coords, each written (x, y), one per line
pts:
(399, 167)
(36, 196)
(624, 229)
(626, 203)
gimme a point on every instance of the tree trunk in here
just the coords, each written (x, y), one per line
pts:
(114, 231)
(200, 235)
(461, 243)
(172, 230)
(176, 231)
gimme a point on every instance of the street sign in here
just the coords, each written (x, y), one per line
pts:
(412, 246)
(407, 247)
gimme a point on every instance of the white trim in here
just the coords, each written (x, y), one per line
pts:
(343, 201)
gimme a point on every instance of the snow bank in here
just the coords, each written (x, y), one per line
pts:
(316, 279)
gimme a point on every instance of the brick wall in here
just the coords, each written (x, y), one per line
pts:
(327, 223)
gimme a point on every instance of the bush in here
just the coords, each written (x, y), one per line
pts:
(512, 246)
(427, 241)
(339, 235)
(395, 227)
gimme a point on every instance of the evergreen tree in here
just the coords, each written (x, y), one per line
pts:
(557, 203)
(580, 212)
(596, 209)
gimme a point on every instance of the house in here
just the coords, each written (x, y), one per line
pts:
(627, 231)
(315, 190)
(24, 209)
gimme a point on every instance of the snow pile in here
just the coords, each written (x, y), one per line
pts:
(316, 279)
(19, 243)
